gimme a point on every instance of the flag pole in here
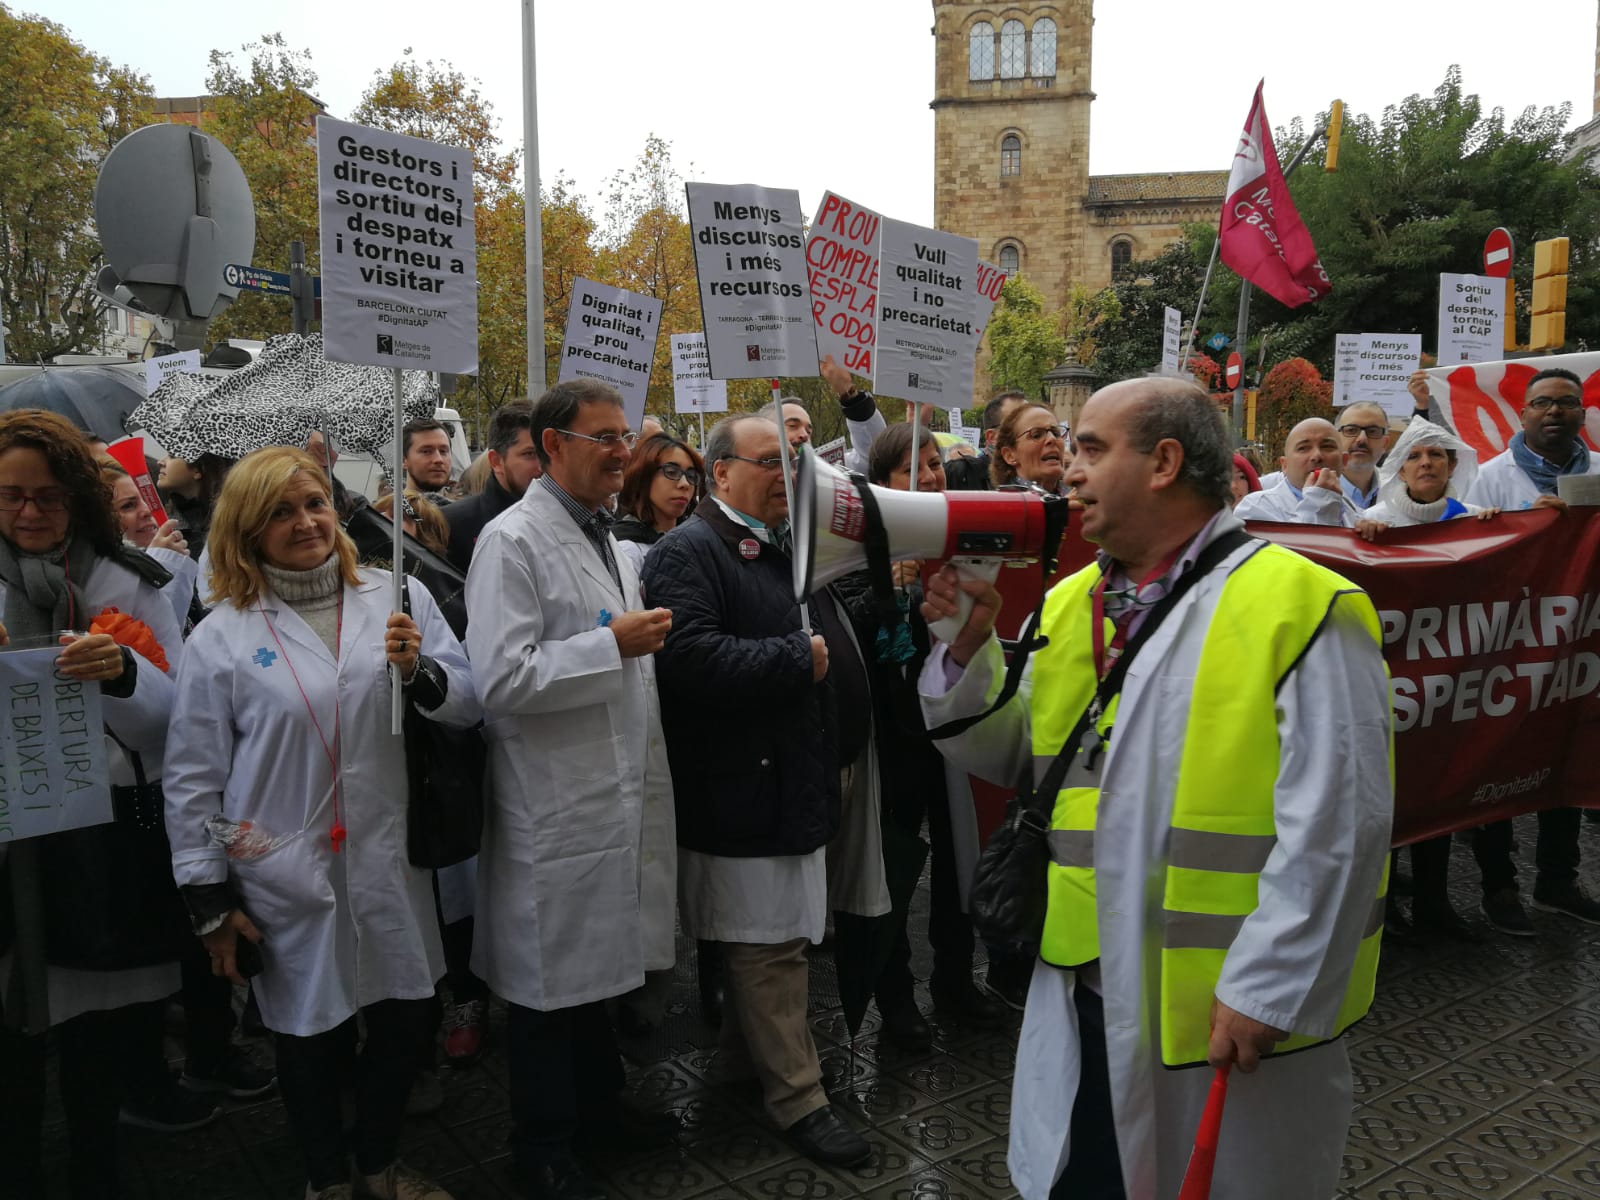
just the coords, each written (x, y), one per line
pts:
(788, 480)
(1244, 294)
(533, 227)
(1205, 286)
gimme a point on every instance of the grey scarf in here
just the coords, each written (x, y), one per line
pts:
(43, 595)
(44, 592)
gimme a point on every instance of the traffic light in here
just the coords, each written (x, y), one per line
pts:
(1335, 126)
(1549, 328)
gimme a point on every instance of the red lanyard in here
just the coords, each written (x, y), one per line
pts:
(336, 833)
(1102, 663)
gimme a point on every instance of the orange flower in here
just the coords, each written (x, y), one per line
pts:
(132, 633)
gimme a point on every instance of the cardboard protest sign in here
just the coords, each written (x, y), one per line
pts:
(1385, 363)
(1472, 319)
(1171, 337)
(52, 749)
(399, 252)
(990, 280)
(611, 336)
(693, 389)
(182, 362)
(926, 314)
(1346, 357)
(755, 296)
(842, 263)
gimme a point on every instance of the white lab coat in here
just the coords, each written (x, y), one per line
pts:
(140, 721)
(1285, 1125)
(180, 590)
(861, 436)
(1313, 506)
(340, 931)
(577, 874)
(1502, 484)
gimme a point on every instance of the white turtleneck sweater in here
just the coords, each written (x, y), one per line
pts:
(314, 595)
(1402, 510)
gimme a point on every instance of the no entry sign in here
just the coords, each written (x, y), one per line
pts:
(1497, 253)
(1234, 370)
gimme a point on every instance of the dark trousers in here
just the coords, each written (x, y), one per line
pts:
(457, 939)
(1094, 1168)
(208, 1019)
(565, 1071)
(1430, 869)
(1556, 856)
(89, 1048)
(313, 1071)
(949, 929)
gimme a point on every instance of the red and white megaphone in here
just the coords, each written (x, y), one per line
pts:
(834, 517)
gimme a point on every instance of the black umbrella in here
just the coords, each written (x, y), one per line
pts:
(95, 399)
(861, 945)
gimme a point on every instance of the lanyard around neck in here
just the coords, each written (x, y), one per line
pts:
(1103, 660)
(336, 832)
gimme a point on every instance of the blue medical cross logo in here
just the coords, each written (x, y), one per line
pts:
(263, 657)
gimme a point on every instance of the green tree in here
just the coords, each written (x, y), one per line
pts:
(61, 110)
(266, 114)
(1290, 392)
(1025, 341)
(1415, 194)
(1171, 279)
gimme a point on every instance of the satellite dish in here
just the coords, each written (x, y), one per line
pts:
(173, 208)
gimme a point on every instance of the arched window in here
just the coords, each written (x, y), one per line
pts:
(1013, 50)
(1042, 63)
(1010, 260)
(1010, 155)
(980, 51)
(1121, 258)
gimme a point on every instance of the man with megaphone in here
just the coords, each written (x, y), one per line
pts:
(1204, 733)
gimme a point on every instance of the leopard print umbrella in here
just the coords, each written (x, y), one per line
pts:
(278, 400)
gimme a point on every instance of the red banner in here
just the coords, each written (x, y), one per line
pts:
(1483, 401)
(1492, 636)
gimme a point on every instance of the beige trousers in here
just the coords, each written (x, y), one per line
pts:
(764, 1026)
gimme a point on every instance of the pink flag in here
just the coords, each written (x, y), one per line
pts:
(1263, 239)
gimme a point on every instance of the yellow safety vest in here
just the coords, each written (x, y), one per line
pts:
(1270, 609)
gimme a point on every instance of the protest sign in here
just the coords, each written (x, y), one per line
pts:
(1483, 401)
(1346, 358)
(611, 336)
(927, 310)
(182, 362)
(832, 452)
(399, 255)
(1171, 338)
(755, 297)
(693, 389)
(1491, 633)
(52, 751)
(1384, 362)
(842, 262)
(1472, 319)
(991, 279)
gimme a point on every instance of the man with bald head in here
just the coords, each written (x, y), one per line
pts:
(1225, 908)
(1364, 427)
(1310, 492)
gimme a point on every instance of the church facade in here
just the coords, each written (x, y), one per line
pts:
(1011, 151)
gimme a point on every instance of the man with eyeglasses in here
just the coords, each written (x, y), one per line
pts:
(1546, 448)
(1364, 426)
(760, 715)
(1309, 491)
(561, 647)
(1524, 476)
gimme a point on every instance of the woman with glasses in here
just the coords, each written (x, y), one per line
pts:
(92, 927)
(287, 811)
(1030, 450)
(664, 481)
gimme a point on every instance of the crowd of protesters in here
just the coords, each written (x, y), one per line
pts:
(668, 749)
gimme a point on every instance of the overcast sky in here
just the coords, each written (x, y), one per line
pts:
(834, 93)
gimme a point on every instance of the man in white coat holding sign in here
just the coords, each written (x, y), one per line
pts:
(1226, 699)
(574, 731)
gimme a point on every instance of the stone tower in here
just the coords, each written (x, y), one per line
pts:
(1011, 133)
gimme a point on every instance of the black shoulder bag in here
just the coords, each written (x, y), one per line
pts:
(444, 778)
(1010, 886)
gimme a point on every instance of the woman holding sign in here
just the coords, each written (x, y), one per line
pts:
(286, 801)
(91, 943)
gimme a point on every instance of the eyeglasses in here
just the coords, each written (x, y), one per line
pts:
(608, 440)
(675, 473)
(766, 464)
(1564, 403)
(1372, 431)
(48, 501)
(1044, 431)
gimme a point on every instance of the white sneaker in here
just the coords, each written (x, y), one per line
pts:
(400, 1182)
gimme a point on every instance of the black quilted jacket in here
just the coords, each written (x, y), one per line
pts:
(750, 737)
